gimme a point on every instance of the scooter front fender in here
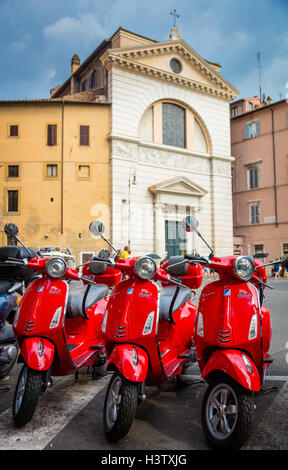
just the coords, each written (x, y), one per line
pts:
(231, 362)
(133, 365)
(37, 353)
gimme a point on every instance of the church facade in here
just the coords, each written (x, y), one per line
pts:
(170, 146)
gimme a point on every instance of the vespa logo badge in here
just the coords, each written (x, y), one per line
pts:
(145, 293)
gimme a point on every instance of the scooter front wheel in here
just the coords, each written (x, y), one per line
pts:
(227, 414)
(26, 395)
(119, 407)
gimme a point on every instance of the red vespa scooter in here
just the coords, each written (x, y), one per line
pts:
(147, 333)
(232, 336)
(56, 325)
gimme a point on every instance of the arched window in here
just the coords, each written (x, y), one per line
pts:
(175, 125)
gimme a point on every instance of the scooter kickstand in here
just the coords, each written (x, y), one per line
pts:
(76, 376)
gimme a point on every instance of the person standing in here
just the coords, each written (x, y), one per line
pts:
(125, 253)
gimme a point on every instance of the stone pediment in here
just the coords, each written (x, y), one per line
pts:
(179, 185)
(154, 60)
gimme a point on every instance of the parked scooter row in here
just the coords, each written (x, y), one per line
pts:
(150, 331)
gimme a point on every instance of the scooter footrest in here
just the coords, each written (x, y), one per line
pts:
(268, 359)
(96, 347)
(185, 355)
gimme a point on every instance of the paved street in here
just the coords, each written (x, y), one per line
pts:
(70, 415)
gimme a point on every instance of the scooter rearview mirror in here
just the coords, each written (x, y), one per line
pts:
(96, 227)
(191, 224)
(11, 230)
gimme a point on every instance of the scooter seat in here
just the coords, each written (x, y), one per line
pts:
(13, 251)
(76, 295)
(166, 297)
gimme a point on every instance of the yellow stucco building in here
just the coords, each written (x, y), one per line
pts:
(54, 171)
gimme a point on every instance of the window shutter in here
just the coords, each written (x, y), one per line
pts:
(84, 135)
(52, 134)
(257, 127)
(247, 131)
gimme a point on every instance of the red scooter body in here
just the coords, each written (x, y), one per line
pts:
(229, 309)
(132, 304)
(147, 333)
(65, 344)
(72, 338)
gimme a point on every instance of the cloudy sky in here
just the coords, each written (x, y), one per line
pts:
(39, 38)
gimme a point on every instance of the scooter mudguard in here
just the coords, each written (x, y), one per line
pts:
(232, 363)
(131, 361)
(37, 353)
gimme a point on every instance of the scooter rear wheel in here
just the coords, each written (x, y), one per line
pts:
(26, 395)
(119, 407)
(227, 414)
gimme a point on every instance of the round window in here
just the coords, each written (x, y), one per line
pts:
(175, 65)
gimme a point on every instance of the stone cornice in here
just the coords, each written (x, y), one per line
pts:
(127, 58)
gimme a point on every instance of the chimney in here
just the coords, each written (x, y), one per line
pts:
(75, 63)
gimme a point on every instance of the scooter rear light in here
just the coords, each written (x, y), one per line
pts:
(104, 322)
(134, 357)
(200, 325)
(253, 330)
(148, 324)
(247, 363)
(56, 318)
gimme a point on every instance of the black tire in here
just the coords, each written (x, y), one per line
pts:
(123, 409)
(26, 395)
(229, 425)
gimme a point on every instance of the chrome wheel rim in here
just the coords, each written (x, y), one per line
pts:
(113, 402)
(221, 411)
(20, 389)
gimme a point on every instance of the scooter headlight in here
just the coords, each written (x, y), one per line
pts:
(244, 267)
(145, 267)
(56, 267)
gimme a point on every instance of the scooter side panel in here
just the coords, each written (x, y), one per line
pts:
(232, 363)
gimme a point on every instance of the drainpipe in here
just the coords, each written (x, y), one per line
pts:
(62, 167)
(274, 168)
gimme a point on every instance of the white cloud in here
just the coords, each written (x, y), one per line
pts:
(85, 28)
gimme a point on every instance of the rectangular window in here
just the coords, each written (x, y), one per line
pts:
(94, 79)
(258, 249)
(84, 135)
(83, 171)
(285, 249)
(252, 129)
(52, 134)
(250, 106)
(13, 131)
(51, 171)
(84, 85)
(234, 111)
(254, 213)
(12, 200)
(13, 171)
(253, 177)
